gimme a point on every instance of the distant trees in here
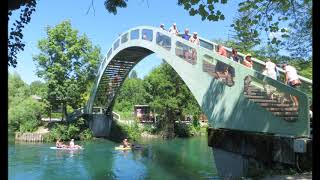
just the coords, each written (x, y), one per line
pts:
(67, 62)
(24, 112)
(164, 91)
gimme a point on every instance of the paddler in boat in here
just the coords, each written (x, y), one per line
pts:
(59, 144)
(125, 143)
(72, 145)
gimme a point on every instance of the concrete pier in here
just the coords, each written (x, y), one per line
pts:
(238, 153)
(100, 124)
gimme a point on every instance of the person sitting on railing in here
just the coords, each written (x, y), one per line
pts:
(174, 30)
(292, 79)
(248, 62)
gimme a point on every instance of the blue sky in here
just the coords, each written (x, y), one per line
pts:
(103, 28)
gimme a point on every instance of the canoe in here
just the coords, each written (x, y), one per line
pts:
(65, 148)
(122, 148)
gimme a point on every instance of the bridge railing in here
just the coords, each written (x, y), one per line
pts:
(258, 65)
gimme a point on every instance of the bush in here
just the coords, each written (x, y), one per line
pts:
(25, 116)
(86, 134)
(66, 131)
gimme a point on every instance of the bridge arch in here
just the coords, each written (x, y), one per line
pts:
(224, 103)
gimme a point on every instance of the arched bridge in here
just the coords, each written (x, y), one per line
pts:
(231, 95)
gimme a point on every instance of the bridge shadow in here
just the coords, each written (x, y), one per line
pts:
(232, 110)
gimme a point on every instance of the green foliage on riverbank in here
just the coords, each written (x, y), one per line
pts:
(66, 131)
(24, 113)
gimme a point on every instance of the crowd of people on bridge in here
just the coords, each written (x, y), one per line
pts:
(271, 69)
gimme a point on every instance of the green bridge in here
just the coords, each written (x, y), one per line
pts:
(249, 101)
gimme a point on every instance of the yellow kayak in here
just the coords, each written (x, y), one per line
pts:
(122, 148)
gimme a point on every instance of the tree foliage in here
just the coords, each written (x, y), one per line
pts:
(24, 113)
(132, 92)
(67, 61)
(165, 92)
(271, 17)
(15, 43)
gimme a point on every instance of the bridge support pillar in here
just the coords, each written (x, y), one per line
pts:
(100, 124)
(246, 154)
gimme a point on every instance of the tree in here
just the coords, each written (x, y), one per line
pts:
(39, 88)
(131, 93)
(169, 96)
(133, 74)
(18, 90)
(67, 61)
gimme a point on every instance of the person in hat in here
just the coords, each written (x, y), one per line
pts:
(247, 61)
(292, 79)
(174, 30)
(195, 40)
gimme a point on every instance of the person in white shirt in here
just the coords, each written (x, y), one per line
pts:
(271, 69)
(292, 79)
(72, 145)
(174, 30)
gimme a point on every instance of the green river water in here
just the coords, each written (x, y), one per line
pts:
(178, 158)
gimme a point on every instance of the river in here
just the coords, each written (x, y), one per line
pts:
(179, 158)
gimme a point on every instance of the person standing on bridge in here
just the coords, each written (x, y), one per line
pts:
(186, 37)
(222, 50)
(195, 40)
(174, 30)
(292, 79)
(271, 69)
(248, 62)
(234, 55)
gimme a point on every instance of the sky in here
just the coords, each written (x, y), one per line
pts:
(102, 28)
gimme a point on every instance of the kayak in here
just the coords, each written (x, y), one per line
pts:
(65, 148)
(122, 148)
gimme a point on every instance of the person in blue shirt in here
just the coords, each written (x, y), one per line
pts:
(186, 35)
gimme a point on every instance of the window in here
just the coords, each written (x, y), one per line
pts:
(163, 41)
